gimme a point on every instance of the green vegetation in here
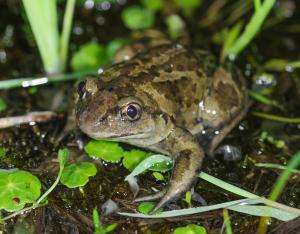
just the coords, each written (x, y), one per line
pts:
(190, 229)
(146, 207)
(3, 105)
(188, 198)
(138, 17)
(99, 229)
(276, 118)
(3, 151)
(108, 151)
(227, 221)
(42, 16)
(113, 152)
(77, 174)
(277, 210)
(89, 57)
(278, 189)
(17, 188)
(252, 28)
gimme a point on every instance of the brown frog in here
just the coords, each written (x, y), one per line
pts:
(167, 99)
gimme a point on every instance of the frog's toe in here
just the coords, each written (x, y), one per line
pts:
(152, 197)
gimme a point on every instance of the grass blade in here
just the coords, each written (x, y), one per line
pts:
(65, 35)
(252, 28)
(42, 17)
(261, 211)
(276, 118)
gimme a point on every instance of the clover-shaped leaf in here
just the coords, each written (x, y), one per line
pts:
(18, 188)
(108, 151)
(77, 174)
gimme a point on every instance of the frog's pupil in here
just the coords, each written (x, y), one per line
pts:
(131, 111)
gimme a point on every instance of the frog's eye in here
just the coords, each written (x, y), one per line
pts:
(131, 111)
(81, 88)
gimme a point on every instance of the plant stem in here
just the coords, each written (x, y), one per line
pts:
(65, 35)
(277, 166)
(32, 81)
(257, 5)
(276, 118)
(227, 221)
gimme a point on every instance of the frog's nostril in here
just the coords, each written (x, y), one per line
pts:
(80, 88)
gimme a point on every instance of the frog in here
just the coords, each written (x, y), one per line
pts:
(168, 99)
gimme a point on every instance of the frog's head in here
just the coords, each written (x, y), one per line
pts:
(117, 111)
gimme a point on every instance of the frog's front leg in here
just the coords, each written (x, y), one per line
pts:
(188, 156)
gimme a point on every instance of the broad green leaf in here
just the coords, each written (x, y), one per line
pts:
(17, 189)
(90, 56)
(190, 229)
(136, 17)
(77, 174)
(108, 151)
(133, 158)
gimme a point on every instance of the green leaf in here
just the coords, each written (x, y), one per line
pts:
(99, 229)
(188, 198)
(158, 176)
(96, 218)
(147, 163)
(161, 166)
(108, 151)
(3, 105)
(90, 56)
(190, 229)
(176, 26)
(137, 17)
(63, 157)
(154, 5)
(77, 174)
(110, 227)
(146, 207)
(133, 158)
(3, 151)
(188, 6)
(17, 189)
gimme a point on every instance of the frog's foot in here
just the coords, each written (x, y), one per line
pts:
(186, 169)
(152, 197)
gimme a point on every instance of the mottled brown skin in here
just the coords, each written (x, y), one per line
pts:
(185, 106)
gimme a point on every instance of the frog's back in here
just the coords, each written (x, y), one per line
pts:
(172, 79)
